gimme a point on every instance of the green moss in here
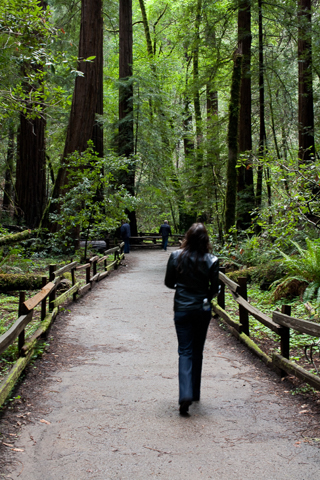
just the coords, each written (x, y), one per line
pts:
(267, 273)
(12, 282)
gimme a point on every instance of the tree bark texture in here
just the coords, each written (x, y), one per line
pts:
(31, 171)
(125, 137)
(86, 90)
(196, 87)
(262, 132)
(31, 163)
(233, 133)
(246, 200)
(150, 48)
(8, 185)
(244, 48)
(97, 134)
(306, 114)
(126, 87)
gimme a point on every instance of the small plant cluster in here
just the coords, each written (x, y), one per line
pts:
(92, 202)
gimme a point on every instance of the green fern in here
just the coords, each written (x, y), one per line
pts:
(305, 267)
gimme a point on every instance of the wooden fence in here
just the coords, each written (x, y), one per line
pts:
(280, 323)
(47, 299)
(152, 240)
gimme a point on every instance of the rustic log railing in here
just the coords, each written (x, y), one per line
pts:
(152, 240)
(280, 323)
(26, 346)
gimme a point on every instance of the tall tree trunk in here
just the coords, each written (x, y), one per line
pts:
(262, 132)
(150, 48)
(126, 140)
(233, 134)
(31, 171)
(85, 95)
(212, 163)
(305, 115)
(31, 164)
(8, 185)
(196, 87)
(97, 133)
(246, 200)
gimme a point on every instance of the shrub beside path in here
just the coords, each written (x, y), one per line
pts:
(107, 408)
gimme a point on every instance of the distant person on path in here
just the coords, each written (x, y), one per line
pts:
(194, 273)
(165, 231)
(125, 235)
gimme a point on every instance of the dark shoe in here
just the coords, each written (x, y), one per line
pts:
(184, 406)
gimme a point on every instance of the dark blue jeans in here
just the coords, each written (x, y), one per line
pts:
(126, 245)
(165, 242)
(191, 327)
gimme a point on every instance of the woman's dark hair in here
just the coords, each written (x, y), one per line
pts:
(197, 241)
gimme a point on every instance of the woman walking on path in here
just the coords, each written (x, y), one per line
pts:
(194, 273)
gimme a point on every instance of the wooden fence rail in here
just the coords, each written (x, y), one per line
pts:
(49, 291)
(280, 323)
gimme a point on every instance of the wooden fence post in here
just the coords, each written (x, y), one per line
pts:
(73, 278)
(44, 301)
(52, 296)
(88, 274)
(21, 338)
(116, 258)
(221, 296)
(285, 334)
(94, 267)
(243, 314)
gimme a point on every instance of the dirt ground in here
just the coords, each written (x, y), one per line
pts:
(102, 402)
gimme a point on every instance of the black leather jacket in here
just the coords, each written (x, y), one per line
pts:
(193, 280)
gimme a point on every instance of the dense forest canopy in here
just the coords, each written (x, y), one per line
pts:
(148, 114)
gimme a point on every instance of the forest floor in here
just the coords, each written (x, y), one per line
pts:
(102, 401)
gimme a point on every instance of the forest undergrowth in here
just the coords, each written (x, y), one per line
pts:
(269, 342)
(9, 301)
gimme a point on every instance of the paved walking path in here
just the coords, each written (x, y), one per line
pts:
(113, 415)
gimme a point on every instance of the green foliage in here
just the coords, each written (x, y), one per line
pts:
(305, 267)
(25, 30)
(250, 251)
(90, 201)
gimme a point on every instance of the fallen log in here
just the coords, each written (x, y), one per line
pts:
(14, 281)
(15, 238)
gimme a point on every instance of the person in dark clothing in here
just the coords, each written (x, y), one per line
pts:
(194, 274)
(165, 231)
(125, 235)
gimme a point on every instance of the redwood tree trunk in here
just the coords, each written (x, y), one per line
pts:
(31, 164)
(125, 138)
(246, 201)
(85, 95)
(30, 171)
(196, 87)
(305, 115)
(262, 133)
(233, 133)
